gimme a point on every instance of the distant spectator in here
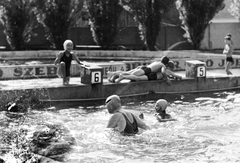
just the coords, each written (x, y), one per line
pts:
(228, 50)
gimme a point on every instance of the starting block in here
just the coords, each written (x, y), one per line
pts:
(91, 74)
(195, 69)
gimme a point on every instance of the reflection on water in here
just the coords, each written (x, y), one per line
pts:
(207, 130)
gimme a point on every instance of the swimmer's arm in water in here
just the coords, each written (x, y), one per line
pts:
(58, 58)
(141, 124)
(160, 119)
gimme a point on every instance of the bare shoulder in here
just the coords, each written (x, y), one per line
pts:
(60, 53)
(117, 115)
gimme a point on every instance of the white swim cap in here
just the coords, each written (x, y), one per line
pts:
(161, 103)
(65, 44)
(113, 98)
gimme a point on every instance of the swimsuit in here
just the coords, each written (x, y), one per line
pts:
(67, 61)
(229, 59)
(152, 76)
(146, 69)
(131, 128)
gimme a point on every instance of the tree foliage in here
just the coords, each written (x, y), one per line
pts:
(234, 8)
(104, 16)
(148, 14)
(195, 16)
(57, 16)
(18, 20)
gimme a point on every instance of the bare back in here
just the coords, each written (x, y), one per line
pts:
(156, 66)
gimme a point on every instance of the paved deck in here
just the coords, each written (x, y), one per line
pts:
(57, 82)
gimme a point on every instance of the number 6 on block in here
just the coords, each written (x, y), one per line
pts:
(201, 71)
(96, 77)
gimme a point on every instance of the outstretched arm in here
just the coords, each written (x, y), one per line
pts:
(165, 76)
(141, 124)
(170, 73)
(76, 59)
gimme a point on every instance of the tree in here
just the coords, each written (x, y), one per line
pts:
(148, 15)
(18, 20)
(234, 8)
(57, 16)
(195, 16)
(104, 16)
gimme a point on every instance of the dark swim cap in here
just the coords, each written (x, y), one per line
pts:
(171, 65)
(165, 60)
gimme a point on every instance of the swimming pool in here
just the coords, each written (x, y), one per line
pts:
(207, 130)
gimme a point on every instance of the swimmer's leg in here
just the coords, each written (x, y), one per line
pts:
(227, 68)
(132, 77)
(111, 74)
(138, 72)
(67, 80)
(120, 78)
(114, 78)
(63, 72)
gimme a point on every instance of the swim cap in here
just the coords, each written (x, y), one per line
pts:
(65, 44)
(113, 98)
(161, 103)
(165, 60)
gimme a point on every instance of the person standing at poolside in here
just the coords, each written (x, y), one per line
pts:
(228, 50)
(64, 60)
(122, 120)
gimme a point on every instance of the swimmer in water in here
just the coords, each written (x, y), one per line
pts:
(122, 120)
(161, 115)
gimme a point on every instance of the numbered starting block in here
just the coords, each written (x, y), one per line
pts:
(91, 74)
(195, 69)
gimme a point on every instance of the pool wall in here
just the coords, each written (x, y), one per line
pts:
(109, 60)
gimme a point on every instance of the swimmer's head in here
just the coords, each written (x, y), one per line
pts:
(229, 34)
(113, 103)
(171, 65)
(165, 60)
(161, 105)
(227, 37)
(68, 45)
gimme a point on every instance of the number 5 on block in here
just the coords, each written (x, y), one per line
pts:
(201, 71)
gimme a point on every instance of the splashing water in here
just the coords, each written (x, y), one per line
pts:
(207, 130)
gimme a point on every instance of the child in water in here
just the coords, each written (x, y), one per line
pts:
(64, 60)
(161, 115)
(228, 50)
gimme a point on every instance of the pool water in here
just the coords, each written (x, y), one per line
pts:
(207, 129)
